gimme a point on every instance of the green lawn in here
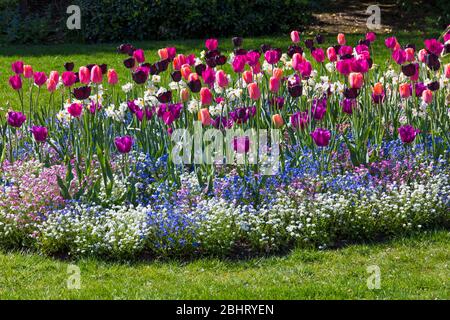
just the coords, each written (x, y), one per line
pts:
(53, 57)
(412, 268)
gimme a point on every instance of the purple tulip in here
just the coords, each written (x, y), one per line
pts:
(16, 119)
(15, 82)
(124, 144)
(348, 105)
(272, 56)
(299, 120)
(319, 108)
(165, 97)
(82, 93)
(407, 133)
(241, 144)
(17, 67)
(39, 133)
(321, 137)
(40, 78)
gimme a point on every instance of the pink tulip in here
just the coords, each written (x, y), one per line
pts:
(272, 56)
(69, 78)
(391, 42)
(205, 96)
(171, 52)
(51, 85)
(405, 90)
(75, 110)
(84, 75)
(113, 78)
(295, 36)
(96, 74)
(305, 68)
(399, 56)
(447, 70)
(297, 58)
(209, 76)
(318, 55)
(163, 53)
(344, 66)
(371, 36)
(423, 55)
(238, 63)
(409, 52)
(27, 71)
(253, 91)
(221, 79)
(274, 84)
(15, 119)
(331, 54)
(355, 80)
(247, 76)
(427, 96)
(15, 82)
(54, 75)
(341, 39)
(204, 117)
(124, 144)
(139, 55)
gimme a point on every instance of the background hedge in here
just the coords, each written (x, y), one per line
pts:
(114, 20)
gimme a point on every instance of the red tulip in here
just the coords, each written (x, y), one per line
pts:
(96, 74)
(205, 96)
(113, 78)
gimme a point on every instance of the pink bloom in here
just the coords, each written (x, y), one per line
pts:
(139, 55)
(331, 54)
(211, 44)
(15, 119)
(54, 75)
(51, 85)
(238, 63)
(371, 36)
(124, 144)
(318, 55)
(295, 36)
(407, 133)
(434, 46)
(209, 76)
(85, 75)
(253, 91)
(274, 84)
(17, 67)
(27, 71)
(305, 68)
(343, 66)
(205, 96)
(272, 56)
(341, 39)
(96, 74)
(75, 110)
(40, 78)
(253, 58)
(221, 79)
(355, 80)
(113, 78)
(241, 144)
(69, 78)
(321, 137)
(15, 82)
(390, 42)
(399, 56)
(297, 58)
(39, 133)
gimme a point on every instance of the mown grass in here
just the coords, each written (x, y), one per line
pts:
(411, 268)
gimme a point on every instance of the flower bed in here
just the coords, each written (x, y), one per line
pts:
(255, 152)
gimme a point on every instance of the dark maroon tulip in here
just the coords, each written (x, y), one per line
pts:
(320, 39)
(295, 90)
(90, 66)
(409, 69)
(365, 42)
(104, 68)
(15, 119)
(165, 97)
(212, 53)
(129, 63)
(40, 134)
(195, 85)
(411, 45)
(176, 76)
(221, 60)
(293, 49)
(82, 93)
(152, 69)
(240, 52)
(265, 47)
(432, 61)
(126, 48)
(211, 62)
(351, 93)
(124, 144)
(200, 68)
(237, 41)
(337, 47)
(162, 65)
(433, 86)
(309, 43)
(140, 76)
(370, 62)
(77, 77)
(69, 66)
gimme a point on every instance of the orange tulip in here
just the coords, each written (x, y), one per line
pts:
(277, 120)
(184, 95)
(378, 89)
(277, 73)
(204, 116)
(253, 91)
(405, 90)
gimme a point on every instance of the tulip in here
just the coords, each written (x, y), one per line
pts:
(221, 79)
(163, 53)
(241, 144)
(277, 121)
(409, 52)
(165, 97)
(238, 63)
(171, 53)
(432, 61)
(331, 54)
(321, 137)
(27, 71)
(15, 119)
(277, 73)
(295, 36)
(237, 41)
(423, 55)
(293, 49)
(399, 56)
(359, 65)
(113, 78)
(320, 39)
(15, 82)
(186, 71)
(205, 96)
(343, 67)
(299, 120)
(253, 58)
(129, 63)
(409, 70)
(297, 59)
(371, 36)
(184, 95)
(209, 76)
(309, 43)
(253, 91)
(54, 75)
(39, 133)
(204, 117)
(82, 93)
(348, 105)
(319, 108)
(247, 76)
(139, 56)
(85, 75)
(211, 44)
(447, 70)
(194, 84)
(51, 85)
(405, 90)
(305, 68)
(274, 84)
(318, 55)
(434, 46)
(407, 133)
(75, 110)
(69, 78)
(272, 56)
(256, 68)
(345, 50)
(391, 42)
(17, 67)
(40, 78)
(427, 96)
(124, 144)
(355, 80)
(140, 76)
(378, 89)
(68, 66)
(341, 39)
(96, 75)
(176, 76)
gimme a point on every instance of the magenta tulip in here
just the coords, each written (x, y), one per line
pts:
(75, 110)
(15, 82)
(321, 137)
(124, 144)
(69, 78)
(40, 78)
(16, 119)
(17, 67)
(96, 75)
(407, 133)
(39, 133)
